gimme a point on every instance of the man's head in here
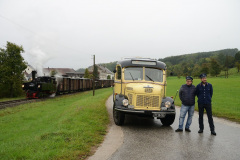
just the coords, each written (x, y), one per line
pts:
(189, 80)
(203, 78)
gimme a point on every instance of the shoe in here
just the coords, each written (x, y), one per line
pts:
(200, 131)
(213, 133)
(178, 130)
(187, 129)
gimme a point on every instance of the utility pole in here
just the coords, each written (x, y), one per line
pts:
(93, 75)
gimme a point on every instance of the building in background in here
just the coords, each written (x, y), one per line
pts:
(28, 73)
(103, 72)
(67, 72)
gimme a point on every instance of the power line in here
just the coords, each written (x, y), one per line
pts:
(19, 25)
(36, 34)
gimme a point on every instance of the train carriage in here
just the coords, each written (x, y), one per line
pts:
(75, 87)
(84, 84)
(66, 84)
(45, 85)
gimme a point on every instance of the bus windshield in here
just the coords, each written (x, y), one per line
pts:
(136, 74)
(133, 73)
(152, 74)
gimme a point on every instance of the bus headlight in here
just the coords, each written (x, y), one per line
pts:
(23, 86)
(125, 102)
(39, 86)
(168, 104)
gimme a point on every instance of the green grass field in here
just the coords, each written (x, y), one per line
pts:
(65, 127)
(226, 92)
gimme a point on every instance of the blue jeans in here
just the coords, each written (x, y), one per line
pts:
(184, 110)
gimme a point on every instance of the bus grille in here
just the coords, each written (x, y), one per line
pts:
(130, 99)
(147, 101)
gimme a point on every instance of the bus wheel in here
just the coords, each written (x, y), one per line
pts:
(118, 117)
(168, 120)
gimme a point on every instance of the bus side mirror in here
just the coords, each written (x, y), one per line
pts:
(114, 71)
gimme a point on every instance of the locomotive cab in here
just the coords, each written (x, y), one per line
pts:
(140, 88)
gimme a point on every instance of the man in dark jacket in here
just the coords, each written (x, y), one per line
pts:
(187, 96)
(204, 92)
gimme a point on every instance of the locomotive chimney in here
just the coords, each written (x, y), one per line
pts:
(34, 74)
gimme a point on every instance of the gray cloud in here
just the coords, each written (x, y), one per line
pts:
(69, 32)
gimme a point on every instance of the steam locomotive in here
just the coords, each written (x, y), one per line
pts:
(45, 86)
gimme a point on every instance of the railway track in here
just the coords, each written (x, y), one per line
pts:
(14, 103)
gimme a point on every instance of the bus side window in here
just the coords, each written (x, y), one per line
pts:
(119, 72)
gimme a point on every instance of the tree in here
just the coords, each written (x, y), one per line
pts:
(95, 72)
(12, 66)
(205, 68)
(231, 60)
(237, 56)
(108, 77)
(86, 74)
(237, 60)
(196, 70)
(226, 67)
(53, 73)
(178, 70)
(215, 67)
(237, 64)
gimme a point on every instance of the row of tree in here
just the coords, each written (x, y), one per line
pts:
(216, 62)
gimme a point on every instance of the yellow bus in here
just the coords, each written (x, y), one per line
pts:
(140, 88)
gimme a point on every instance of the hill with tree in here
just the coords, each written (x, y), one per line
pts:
(212, 63)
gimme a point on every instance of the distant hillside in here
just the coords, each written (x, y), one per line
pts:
(211, 62)
(195, 57)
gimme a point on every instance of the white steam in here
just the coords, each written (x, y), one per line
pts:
(39, 58)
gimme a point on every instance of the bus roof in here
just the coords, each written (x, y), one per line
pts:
(142, 63)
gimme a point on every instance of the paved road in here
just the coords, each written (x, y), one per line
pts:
(147, 139)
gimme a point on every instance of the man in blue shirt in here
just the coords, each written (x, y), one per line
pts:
(204, 92)
(187, 96)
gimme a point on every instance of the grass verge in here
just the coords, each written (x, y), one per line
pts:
(11, 99)
(65, 127)
(225, 102)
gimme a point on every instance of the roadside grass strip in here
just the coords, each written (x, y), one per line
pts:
(65, 127)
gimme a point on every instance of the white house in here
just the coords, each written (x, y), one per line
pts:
(103, 72)
(28, 73)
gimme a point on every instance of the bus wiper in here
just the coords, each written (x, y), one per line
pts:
(149, 78)
(131, 76)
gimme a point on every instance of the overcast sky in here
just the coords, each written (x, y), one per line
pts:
(66, 33)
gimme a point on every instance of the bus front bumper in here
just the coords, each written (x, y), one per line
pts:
(153, 113)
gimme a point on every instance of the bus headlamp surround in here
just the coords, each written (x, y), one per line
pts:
(125, 102)
(168, 104)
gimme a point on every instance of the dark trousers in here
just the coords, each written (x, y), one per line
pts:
(208, 108)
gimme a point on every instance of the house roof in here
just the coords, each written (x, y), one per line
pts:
(100, 69)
